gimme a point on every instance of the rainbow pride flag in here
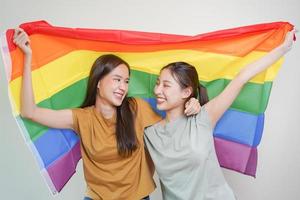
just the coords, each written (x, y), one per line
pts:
(62, 58)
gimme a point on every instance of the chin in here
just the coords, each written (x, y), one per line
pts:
(161, 107)
(117, 102)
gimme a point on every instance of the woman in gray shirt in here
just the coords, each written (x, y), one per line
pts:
(181, 147)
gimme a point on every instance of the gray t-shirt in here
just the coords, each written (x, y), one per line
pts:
(185, 159)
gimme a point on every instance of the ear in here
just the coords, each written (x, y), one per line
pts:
(186, 92)
(98, 84)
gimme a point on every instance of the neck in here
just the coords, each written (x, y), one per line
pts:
(105, 108)
(174, 113)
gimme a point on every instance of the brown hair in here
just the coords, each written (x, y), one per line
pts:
(125, 129)
(187, 76)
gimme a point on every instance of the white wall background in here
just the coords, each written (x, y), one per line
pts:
(278, 174)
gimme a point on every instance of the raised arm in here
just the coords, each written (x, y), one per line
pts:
(217, 106)
(47, 117)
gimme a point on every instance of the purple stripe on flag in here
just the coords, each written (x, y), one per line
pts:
(235, 156)
(61, 170)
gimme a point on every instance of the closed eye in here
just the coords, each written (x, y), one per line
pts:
(117, 79)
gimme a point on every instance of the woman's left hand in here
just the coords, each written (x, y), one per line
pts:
(192, 107)
(289, 40)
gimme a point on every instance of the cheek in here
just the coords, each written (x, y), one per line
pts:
(170, 92)
(126, 88)
(112, 85)
(155, 89)
(102, 90)
(174, 96)
(107, 87)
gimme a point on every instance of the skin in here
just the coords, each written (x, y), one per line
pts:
(167, 86)
(112, 89)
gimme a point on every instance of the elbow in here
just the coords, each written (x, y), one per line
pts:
(27, 114)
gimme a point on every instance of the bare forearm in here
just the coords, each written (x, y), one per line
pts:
(47, 117)
(27, 97)
(217, 106)
(260, 65)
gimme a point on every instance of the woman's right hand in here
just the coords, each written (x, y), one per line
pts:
(21, 39)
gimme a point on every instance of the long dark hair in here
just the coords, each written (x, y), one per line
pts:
(187, 76)
(125, 129)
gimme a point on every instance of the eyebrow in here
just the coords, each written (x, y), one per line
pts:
(118, 76)
(166, 81)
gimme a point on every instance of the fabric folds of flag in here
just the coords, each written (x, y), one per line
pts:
(62, 58)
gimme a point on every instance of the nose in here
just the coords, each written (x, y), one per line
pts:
(123, 86)
(157, 89)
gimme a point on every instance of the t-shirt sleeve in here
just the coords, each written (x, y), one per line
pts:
(146, 114)
(77, 114)
(203, 117)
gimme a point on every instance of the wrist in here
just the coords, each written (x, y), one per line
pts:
(283, 48)
(28, 55)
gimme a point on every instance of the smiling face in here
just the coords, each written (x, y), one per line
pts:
(169, 94)
(113, 87)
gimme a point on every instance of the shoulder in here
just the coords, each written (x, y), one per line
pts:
(82, 112)
(139, 101)
(203, 117)
(143, 104)
(150, 129)
(140, 105)
(146, 116)
(81, 117)
(155, 126)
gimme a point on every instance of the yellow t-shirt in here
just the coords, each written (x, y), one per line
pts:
(108, 175)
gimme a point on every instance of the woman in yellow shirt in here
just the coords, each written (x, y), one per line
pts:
(110, 126)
